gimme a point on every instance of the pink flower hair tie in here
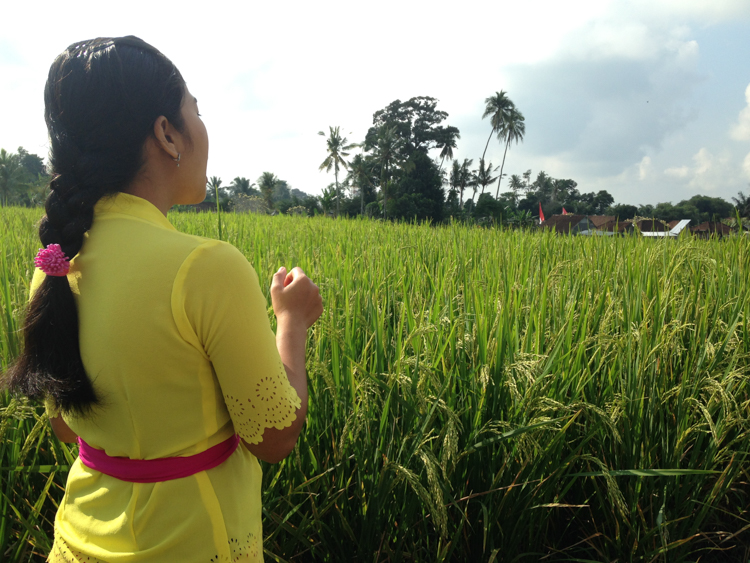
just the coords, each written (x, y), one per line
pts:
(52, 261)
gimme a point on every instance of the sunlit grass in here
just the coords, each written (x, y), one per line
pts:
(476, 395)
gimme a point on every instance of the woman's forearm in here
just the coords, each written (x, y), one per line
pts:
(291, 339)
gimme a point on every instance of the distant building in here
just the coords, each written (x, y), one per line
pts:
(610, 225)
(567, 224)
(202, 206)
(599, 220)
(673, 229)
(651, 226)
(712, 228)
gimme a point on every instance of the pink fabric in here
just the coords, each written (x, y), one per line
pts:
(155, 470)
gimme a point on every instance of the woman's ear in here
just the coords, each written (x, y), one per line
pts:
(165, 136)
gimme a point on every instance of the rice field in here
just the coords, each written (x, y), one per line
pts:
(475, 395)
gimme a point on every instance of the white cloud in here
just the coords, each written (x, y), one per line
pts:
(708, 172)
(644, 167)
(270, 75)
(699, 11)
(679, 172)
(746, 166)
(740, 131)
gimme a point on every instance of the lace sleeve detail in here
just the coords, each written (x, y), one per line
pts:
(272, 402)
(227, 316)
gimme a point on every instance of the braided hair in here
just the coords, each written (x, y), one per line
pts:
(101, 100)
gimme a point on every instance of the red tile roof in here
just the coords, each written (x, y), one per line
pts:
(712, 227)
(599, 220)
(651, 226)
(562, 223)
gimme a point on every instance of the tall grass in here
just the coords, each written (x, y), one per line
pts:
(476, 395)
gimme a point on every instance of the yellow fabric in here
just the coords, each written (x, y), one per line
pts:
(175, 336)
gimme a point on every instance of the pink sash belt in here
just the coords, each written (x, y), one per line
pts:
(155, 470)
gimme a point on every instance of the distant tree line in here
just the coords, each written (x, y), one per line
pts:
(268, 194)
(392, 174)
(23, 179)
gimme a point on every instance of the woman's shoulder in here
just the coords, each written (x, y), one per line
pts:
(217, 260)
(212, 250)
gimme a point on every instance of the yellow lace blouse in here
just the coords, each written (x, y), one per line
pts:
(175, 336)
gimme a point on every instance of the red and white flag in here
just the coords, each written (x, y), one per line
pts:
(541, 214)
(564, 212)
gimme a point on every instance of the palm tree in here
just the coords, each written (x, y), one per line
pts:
(514, 129)
(466, 178)
(516, 184)
(447, 151)
(498, 108)
(386, 150)
(11, 174)
(267, 183)
(484, 175)
(336, 146)
(742, 203)
(242, 186)
(454, 180)
(214, 184)
(360, 172)
(461, 178)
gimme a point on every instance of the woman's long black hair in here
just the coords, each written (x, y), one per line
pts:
(101, 100)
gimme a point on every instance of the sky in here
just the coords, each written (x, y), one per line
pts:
(647, 99)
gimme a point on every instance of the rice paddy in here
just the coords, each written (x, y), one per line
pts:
(475, 395)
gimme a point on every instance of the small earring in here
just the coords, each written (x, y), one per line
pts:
(177, 160)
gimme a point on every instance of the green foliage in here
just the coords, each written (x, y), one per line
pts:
(337, 147)
(242, 186)
(742, 204)
(554, 194)
(488, 207)
(267, 184)
(400, 139)
(698, 209)
(418, 192)
(474, 394)
(23, 179)
(508, 123)
(417, 123)
(623, 211)
(250, 204)
(363, 177)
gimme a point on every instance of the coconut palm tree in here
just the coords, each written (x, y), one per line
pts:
(447, 151)
(467, 178)
(214, 185)
(336, 145)
(11, 175)
(484, 175)
(386, 151)
(742, 203)
(360, 173)
(516, 184)
(461, 178)
(267, 183)
(242, 186)
(497, 108)
(514, 129)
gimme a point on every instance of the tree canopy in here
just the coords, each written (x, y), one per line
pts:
(399, 173)
(417, 122)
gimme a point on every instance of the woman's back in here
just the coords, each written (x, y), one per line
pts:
(152, 383)
(156, 308)
(156, 346)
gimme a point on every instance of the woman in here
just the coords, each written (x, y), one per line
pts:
(150, 347)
